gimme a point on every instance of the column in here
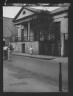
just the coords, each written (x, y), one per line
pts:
(19, 32)
(22, 33)
(62, 44)
(64, 29)
(28, 30)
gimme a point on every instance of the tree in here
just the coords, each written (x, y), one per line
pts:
(44, 20)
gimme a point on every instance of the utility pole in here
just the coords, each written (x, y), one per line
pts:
(60, 77)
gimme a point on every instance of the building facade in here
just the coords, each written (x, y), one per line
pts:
(8, 31)
(46, 32)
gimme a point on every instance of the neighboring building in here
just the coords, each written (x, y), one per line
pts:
(46, 32)
(8, 30)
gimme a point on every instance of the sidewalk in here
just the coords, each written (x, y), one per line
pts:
(45, 57)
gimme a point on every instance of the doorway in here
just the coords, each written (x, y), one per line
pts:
(23, 48)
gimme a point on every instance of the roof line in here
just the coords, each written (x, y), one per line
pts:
(30, 9)
(52, 12)
(7, 17)
(21, 10)
(9, 28)
(59, 10)
(26, 17)
(17, 14)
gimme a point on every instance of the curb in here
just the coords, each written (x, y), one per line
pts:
(33, 56)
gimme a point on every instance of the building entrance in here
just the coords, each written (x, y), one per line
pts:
(23, 48)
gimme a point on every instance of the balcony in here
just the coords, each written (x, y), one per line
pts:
(18, 39)
(31, 38)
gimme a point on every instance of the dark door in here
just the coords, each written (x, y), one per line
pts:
(23, 48)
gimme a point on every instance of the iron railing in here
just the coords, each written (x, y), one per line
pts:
(18, 39)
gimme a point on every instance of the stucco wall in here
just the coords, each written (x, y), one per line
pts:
(63, 28)
(35, 46)
(18, 47)
(64, 22)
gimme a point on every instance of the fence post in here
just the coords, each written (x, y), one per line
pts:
(60, 77)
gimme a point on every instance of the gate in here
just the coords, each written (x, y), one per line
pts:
(56, 50)
(45, 48)
(48, 48)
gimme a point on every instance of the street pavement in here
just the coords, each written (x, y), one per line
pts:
(38, 75)
(45, 57)
(28, 84)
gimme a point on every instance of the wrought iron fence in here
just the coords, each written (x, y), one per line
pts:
(19, 39)
(31, 38)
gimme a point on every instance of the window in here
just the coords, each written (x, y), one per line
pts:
(24, 12)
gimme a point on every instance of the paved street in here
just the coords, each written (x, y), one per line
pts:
(43, 74)
(24, 82)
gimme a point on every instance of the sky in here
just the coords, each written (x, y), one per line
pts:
(46, 8)
(11, 11)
